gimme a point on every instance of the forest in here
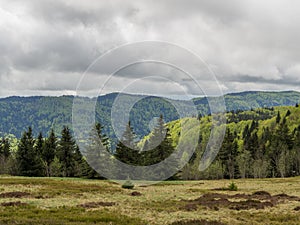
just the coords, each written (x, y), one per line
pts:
(258, 143)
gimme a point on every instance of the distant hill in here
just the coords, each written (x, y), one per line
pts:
(44, 113)
(252, 100)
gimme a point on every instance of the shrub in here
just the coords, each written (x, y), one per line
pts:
(232, 187)
(128, 184)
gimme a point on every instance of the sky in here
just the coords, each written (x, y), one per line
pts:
(47, 47)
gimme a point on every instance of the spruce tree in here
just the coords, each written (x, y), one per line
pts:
(80, 166)
(98, 145)
(278, 118)
(39, 144)
(126, 149)
(4, 155)
(66, 151)
(49, 151)
(162, 148)
(127, 152)
(227, 155)
(4, 148)
(28, 159)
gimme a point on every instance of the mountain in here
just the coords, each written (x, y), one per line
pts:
(252, 100)
(263, 142)
(44, 113)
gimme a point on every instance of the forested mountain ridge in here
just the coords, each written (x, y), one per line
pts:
(259, 143)
(253, 99)
(43, 113)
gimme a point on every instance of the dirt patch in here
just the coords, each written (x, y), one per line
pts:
(90, 205)
(197, 222)
(136, 193)
(6, 204)
(257, 200)
(297, 208)
(42, 197)
(262, 193)
(284, 197)
(15, 194)
(250, 204)
(189, 207)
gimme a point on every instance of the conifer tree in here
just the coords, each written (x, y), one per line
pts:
(80, 166)
(28, 159)
(228, 154)
(4, 148)
(98, 144)
(49, 151)
(161, 142)
(126, 149)
(4, 155)
(39, 144)
(66, 152)
(278, 117)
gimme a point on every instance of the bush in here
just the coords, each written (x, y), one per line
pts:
(128, 184)
(232, 187)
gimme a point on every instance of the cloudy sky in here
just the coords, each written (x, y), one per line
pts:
(47, 45)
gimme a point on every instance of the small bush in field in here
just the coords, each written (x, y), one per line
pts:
(128, 184)
(232, 187)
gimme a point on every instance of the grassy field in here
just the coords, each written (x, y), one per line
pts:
(78, 201)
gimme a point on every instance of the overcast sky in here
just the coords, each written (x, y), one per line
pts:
(46, 45)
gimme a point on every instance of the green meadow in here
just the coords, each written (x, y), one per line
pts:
(81, 201)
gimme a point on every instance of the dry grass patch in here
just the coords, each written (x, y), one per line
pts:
(84, 202)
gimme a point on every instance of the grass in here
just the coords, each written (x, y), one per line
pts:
(56, 201)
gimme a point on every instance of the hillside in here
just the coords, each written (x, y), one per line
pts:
(264, 139)
(44, 113)
(258, 143)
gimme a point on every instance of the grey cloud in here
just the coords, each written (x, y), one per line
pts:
(60, 38)
(286, 80)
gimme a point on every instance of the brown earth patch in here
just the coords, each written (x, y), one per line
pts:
(286, 197)
(257, 200)
(90, 205)
(136, 193)
(189, 207)
(197, 222)
(297, 208)
(15, 194)
(6, 204)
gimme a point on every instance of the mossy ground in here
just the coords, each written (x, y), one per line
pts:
(57, 201)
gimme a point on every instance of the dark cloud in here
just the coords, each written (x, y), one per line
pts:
(45, 46)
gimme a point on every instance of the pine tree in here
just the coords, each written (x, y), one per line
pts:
(126, 149)
(4, 148)
(4, 155)
(98, 145)
(66, 151)
(28, 159)
(161, 142)
(296, 152)
(49, 151)
(80, 166)
(278, 117)
(39, 144)
(281, 142)
(227, 154)
(127, 152)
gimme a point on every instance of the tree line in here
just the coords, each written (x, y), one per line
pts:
(52, 156)
(44, 156)
(259, 151)
(273, 151)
